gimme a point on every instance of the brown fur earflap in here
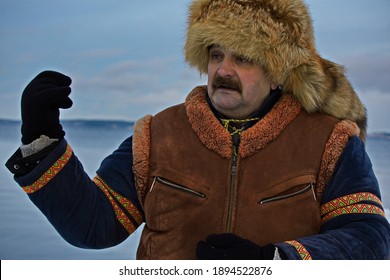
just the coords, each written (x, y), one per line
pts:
(277, 34)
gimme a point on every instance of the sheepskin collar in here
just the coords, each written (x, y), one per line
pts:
(216, 138)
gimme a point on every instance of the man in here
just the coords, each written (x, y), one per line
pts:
(265, 162)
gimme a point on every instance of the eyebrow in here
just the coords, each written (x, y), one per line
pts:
(213, 46)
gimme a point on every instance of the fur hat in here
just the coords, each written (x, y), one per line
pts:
(277, 34)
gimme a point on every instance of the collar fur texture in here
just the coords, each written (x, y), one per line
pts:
(215, 137)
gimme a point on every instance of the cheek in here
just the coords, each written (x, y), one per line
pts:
(210, 78)
(256, 90)
(258, 82)
(249, 85)
(209, 85)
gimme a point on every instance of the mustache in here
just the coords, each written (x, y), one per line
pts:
(230, 83)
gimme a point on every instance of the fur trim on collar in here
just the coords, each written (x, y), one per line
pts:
(209, 130)
(212, 134)
(270, 127)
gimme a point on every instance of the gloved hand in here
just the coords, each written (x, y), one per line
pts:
(231, 247)
(41, 101)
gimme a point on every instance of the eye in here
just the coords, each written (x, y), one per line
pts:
(216, 55)
(240, 59)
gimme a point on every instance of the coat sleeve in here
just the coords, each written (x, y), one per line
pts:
(88, 213)
(354, 225)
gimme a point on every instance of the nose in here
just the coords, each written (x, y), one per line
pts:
(226, 67)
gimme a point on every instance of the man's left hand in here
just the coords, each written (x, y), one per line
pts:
(231, 247)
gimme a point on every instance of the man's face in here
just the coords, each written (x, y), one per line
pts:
(236, 86)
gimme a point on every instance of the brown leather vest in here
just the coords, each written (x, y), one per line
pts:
(195, 187)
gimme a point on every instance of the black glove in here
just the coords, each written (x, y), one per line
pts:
(41, 101)
(231, 247)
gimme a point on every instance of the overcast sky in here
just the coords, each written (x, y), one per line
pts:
(126, 57)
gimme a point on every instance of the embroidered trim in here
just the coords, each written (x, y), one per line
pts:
(341, 134)
(50, 173)
(302, 251)
(125, 202)
(348, 200)
(228, 124)
(120, 214)
(354, 209)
